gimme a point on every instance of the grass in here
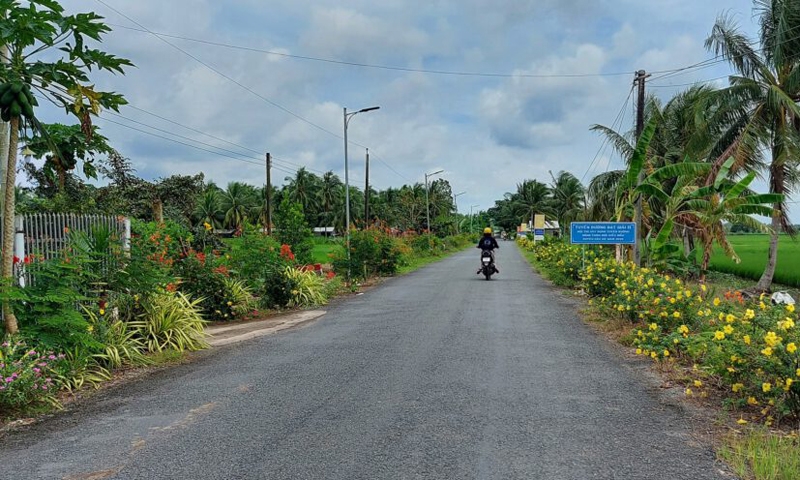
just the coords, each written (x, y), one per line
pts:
(753, 249)
(762, 455)
(323, 249)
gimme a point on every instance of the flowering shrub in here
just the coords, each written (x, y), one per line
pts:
(749, 349)
(372, 252)
(207, 279)
(26, 375)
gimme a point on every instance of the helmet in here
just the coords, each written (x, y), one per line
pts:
(487, 230)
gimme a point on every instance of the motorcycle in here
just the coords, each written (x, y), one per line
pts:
(487, 264)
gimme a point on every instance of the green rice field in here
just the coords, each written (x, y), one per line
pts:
(753, 249)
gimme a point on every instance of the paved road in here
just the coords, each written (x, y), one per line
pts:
(437, 375)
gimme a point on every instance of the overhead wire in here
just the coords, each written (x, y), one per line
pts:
(382, 67)
(620, 116)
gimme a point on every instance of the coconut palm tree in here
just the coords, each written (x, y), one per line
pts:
(209, 209)
(532, 197)
(767, 86)
(567, 202)
(236, 201)
(331, 193)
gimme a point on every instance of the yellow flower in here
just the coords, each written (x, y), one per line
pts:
(638, 351)
(650, 282)
(752, 401)
(676, 314)
(731, 370)
(698, 383)
(716, 301)
(791, 348)
(741, 421)
(736, 387)
(688, 392)
(640, 333)
(207, 226)
(767, 351)
(788, 384)
(703, 287)
(749, 314)
(772, 339)
(666, 353)
(762, 305)
(790, 308)
(653, 355)
(230, 303)
(653, 326)
(746, 339)
(683, 329)
(786, 324)
(766, 387)
(90, 328)
(730, 318)
(719, 335)
(797, 372)
(727, 329)
(102, 311)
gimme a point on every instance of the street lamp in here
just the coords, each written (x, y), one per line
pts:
(471, 217)
(347, 117)
(427, 200)
(455, 204)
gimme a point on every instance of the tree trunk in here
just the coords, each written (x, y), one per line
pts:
(707, 246)
(8, 224)
(765, 282)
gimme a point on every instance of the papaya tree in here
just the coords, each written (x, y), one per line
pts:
(48, 58)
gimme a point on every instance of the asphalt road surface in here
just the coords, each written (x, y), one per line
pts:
(435, 375)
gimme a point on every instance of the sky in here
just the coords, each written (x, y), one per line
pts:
(491, 92)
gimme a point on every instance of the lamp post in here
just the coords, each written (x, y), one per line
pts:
(455, 204)
(427, 200)
(471, 217)
(347, 117)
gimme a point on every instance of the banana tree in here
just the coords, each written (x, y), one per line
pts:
(46, 58)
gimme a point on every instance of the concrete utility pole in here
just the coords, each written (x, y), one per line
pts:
(641, 77)
(269, 194)
(366, 196)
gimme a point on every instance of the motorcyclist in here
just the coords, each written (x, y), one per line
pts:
(488, 242)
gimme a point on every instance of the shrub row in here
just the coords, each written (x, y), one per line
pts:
(746, 348)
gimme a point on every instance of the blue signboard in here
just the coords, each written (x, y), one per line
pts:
(538, 231)
(603, 233)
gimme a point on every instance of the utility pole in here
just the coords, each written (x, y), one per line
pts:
(269, 194)
(366, 196)
(641, 77)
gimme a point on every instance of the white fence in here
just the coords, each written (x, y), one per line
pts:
(46, 235)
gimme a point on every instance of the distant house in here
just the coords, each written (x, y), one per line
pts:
(324, 231)
(551, 228)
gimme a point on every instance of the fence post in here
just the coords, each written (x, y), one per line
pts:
(19, 247)
(126, 237)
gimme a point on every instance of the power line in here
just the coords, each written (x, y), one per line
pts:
(178, 141)
(376, 66)
(690, 84)
(620, 116)
(220, 73)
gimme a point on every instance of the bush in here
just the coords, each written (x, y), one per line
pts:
(292, 230)
(171, 322)
(276, 288)
(27, 375)
(372, 252)
(748, 348)
(309, 288)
